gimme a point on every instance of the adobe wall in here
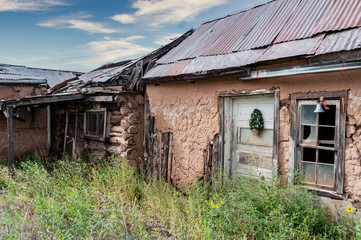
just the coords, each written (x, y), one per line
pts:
(125, 128)
(190, 112)
(29, 136)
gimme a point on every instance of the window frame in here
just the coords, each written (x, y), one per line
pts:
(94, 136)
(294, 160)
(301, 145)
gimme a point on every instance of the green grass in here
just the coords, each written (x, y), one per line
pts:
(108, 199)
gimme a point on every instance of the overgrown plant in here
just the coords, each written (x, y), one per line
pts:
(108, 199)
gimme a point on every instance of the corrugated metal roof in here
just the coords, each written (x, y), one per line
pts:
(341, 41)
(103, 74)
(53, 77)
(281, 28)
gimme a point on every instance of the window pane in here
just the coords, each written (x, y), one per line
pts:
(92, 123)
(308, 134)
(328, 117)
(100, 124)
(309, 154)
(326, 133)
(326, 175)
(265, 137)
(308, 170)
(326, 156)
(308, 114)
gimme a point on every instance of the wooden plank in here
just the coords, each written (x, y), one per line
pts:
(227, 136)
(240, 93)
(292, 165)
(221, 134)
(101, 99)
(146, 140)
(341, 146)
(48, 113)
(276, 127)
(317, 95)
(11, 155)
(169, 161)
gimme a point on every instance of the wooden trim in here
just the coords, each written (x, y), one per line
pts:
(341, 145)
(276, 127)
(48, 114)
(292, 162)
(317, 95)
(246, 92)
(221, 134)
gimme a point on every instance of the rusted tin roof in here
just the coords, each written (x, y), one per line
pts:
(277, 29)
(52, 77)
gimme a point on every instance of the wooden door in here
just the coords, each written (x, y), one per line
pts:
(245, 153)
(70, 134)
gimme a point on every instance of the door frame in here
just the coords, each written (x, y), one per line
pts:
(224, 100)
(73, 155)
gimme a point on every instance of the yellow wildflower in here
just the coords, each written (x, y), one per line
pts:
(349, 209)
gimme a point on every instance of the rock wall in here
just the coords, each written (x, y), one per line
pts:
(124, 128)
(190, 112)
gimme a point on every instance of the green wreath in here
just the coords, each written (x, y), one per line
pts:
(256, 121)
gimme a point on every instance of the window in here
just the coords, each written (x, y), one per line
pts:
(317, 140)
(94, 124)
(317, 143)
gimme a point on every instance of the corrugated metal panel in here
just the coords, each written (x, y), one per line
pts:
(268, 25)
(188, 44)
(104, 74)
(232, 60)
(340, 15)
(341, 41)
(158, 71)
(291, 49)
(52, 77)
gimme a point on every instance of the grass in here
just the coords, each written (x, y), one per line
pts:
(108, 199)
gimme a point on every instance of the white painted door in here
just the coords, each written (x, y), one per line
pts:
(249, 154)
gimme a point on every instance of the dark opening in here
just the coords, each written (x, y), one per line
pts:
(326, 156)
(326, 133)
(328, 117)
(309, 154)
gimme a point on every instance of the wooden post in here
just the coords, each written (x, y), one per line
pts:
(48, 113)
(11, 156)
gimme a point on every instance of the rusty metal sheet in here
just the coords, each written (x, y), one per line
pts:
(52, 77)
(158, 71)
(290, 49)
(207, 63)
(104, 74)
(340, 41)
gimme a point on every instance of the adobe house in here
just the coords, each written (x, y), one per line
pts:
(30, 127)
(95, 114)
(280, 58)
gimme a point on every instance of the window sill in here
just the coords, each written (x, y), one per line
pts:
(325, 193)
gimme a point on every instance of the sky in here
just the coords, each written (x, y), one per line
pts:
(81, 35)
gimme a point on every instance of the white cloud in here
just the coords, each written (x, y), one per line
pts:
(124, 18)
(76, 22)
(158, 12)
(163, 40)
(28, 5)
(110, 50)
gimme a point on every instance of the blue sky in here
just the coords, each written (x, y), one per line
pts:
(81, 35)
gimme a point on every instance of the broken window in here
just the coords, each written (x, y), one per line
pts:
(94, 124)
(317, 143)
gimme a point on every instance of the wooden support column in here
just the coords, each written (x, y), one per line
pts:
(11, 156)
(48, 111)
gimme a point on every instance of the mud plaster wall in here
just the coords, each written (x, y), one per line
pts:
(125, 128)
(30, 136)
(189, 111)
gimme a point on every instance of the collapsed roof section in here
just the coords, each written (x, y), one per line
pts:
(123, 76)
(12, 74)
(276, 30)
